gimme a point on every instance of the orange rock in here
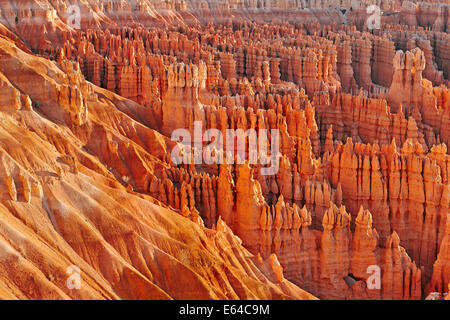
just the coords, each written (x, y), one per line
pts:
(363, 164)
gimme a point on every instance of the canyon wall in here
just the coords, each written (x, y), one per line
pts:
(361, 180)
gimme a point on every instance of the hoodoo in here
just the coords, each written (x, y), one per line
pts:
(224, 150)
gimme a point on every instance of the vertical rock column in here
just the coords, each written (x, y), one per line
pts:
(249, 203)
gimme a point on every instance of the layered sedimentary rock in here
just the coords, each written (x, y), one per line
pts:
(440, 268)
(383, 55)
(345, 68)
(337, 181)
(61, 199)
(361, 53)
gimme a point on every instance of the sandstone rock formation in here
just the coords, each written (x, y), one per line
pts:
(92, 117)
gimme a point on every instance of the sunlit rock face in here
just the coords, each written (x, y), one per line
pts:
(338, 189)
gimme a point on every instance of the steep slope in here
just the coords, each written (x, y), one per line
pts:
(60, 206)
(362, 121)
